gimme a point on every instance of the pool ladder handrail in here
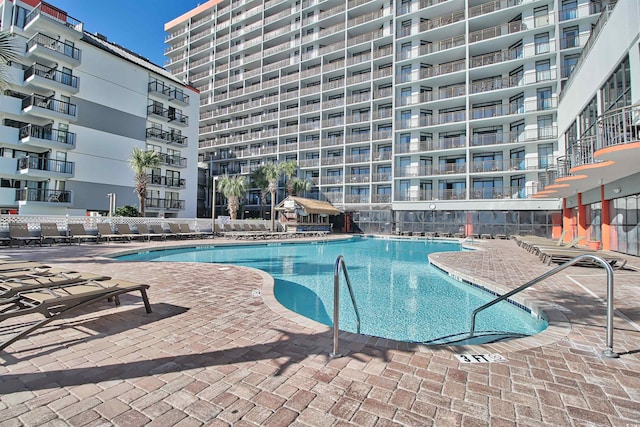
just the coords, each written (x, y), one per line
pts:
(608, 352)
(336, 302)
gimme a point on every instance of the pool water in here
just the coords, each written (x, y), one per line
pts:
(399, 294)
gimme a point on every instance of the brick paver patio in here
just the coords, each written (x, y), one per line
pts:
(213, 352)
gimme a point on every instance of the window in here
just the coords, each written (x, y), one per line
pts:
(405, 74)
(545, 127)
(545, 155)
(544, 99)
(568, 10)
(405, 96)
(570, 38)
(541, 16)
(516, 104)
(542, 43)
(516, 157)
(543, 70)
(405, 50)
(405, 119)
(568, 62)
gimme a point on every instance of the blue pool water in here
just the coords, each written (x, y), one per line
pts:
(399, 295)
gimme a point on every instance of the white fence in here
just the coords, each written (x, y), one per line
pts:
(90, 222)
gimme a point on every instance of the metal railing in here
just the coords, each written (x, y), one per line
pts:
(336, 302)
(608, 352)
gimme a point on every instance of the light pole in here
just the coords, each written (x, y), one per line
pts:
(214, 179)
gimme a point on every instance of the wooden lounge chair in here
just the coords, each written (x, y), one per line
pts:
(19, 233)
(157, 229)
(13, 286)
(21, 266)
(572, 244)
(125, 231)
(560, 256)
(184, 228)
(77, 232)
(49, 232)
(56, 302)
(105, 232)
(143, 230)
(175, 229)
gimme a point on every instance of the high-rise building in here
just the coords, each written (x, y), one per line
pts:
(436, 115)
(599, 122)
(74, 109)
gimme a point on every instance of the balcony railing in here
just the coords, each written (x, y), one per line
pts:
(51, 12)
(168, 113)
(498, 193)
(41, 195)
(54, 45)
(48, 133)
(170, 160)
(49, 104)
(164, 203)
(43, 164)
(165, 181)
(51, 74)
(167, 136)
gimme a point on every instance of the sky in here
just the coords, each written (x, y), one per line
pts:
(137, 25)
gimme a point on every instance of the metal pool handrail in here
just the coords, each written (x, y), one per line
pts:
(608, 352)
(336, 301)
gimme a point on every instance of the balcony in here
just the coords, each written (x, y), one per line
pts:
(54, 50)
(168, 114)
(169, 204)
(45, 168)
(45, 17)
(26, 195)
(49, 108)
(175, 161)
(169, 137)
(43, 77)
(46, 137)
(165, 181)
(170, 93)
(492, 193)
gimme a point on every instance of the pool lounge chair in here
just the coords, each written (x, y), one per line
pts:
(143, 230)
(77, 232)
(49, 232)
(19, 233)
(157, 229)
(536, 249)
(175, 229)
(21, 266)
(10, 287)
(56, 302)
(125, 230)
(105, 232)
(560, 256)
(184, 228)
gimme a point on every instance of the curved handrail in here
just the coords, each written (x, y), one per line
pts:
(608, 352)
(336, 301)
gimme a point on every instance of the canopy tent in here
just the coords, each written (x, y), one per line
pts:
(300, 214)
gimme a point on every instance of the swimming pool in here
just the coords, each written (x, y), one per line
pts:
(399, 295)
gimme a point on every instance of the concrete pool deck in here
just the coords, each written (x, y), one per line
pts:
(217, 352)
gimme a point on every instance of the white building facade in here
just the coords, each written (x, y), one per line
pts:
(599, 122)
(75, 109)
(418, 115)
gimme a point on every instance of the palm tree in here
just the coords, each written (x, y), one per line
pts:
(301, 186)
(233, 188)
(289, 169)
(260, 180)
(8, 52)
(140, 161)
(272, 173)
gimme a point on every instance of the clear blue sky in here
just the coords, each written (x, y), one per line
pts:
(137, 25)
